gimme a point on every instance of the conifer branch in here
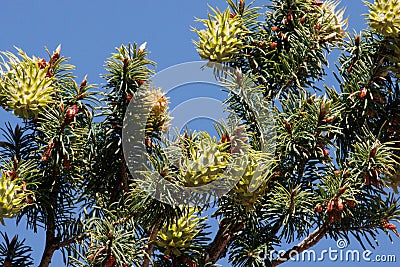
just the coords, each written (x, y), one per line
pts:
(219, 246)
(308, 242)
(150, 244)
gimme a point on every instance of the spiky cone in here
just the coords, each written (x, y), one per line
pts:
(252, 184)
(25, 87)
(222, 38)
(177, 237)
(205, 165)
(12, 198)
(159, 102)
(384, 17)
(158, 119)
(331, 22)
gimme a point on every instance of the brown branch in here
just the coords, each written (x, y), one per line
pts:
(48, 253)
(308, 242)
(51, 240)
(222, 240)
(150, 245)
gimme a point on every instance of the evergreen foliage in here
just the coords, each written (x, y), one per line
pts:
(335, 170)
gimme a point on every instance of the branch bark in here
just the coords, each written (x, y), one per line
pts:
(51, 240)
(222, 240)
(150, 244)
(308, 242)
(49, 250)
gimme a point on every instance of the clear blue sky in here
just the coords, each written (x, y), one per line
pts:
(90, 30)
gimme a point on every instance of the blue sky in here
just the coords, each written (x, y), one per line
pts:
(90, 30)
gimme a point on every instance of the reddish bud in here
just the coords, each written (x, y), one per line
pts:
(329, 119)
(350, 203)
(66, 163)
(337, 172)
(274, 28)
(332, 218)
(329, 206)
(363, 92)
(326, 152)
(367, 180)
(42, 63)
(262, 43)
(302, 19)
(225, 138)
(71, 112)
(273, 45)
(340, 204)
(290, 17)
(128, 97)
(110, 235)
(84, 81)
(126, 61)
(241, 6)
(232, 15)
(288, 126)
(56, 54)
(374, 148)
(49, 73)
(55, 57)
(47, 152)
(147, 142)
(319, 208)
(318, 3)
(11, 174)
(29, 200)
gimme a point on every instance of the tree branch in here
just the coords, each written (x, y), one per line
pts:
(308, 242)
(51, 240)
(150, 245)
(222, 240)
